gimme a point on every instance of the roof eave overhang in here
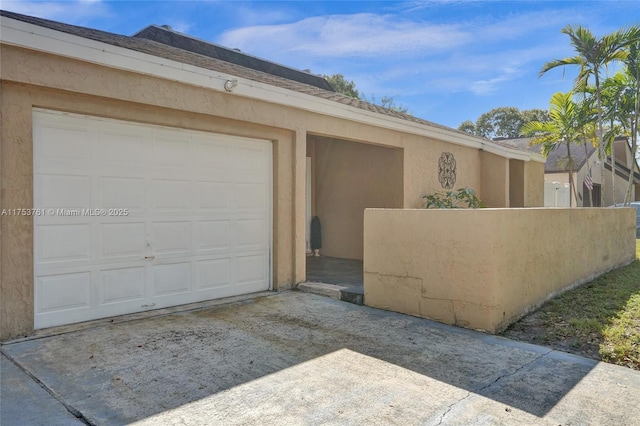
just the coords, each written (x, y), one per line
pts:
(34, 37)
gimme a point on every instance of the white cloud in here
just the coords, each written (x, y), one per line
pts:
(362, 34)
(71, 12)
(487, 87)
(381, 51)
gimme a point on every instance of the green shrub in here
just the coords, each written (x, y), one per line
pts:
(460, 198)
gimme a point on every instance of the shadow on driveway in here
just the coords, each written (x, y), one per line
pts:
(294, 358)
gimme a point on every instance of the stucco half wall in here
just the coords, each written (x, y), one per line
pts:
(485, 268)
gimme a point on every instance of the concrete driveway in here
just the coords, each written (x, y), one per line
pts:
(297, 358)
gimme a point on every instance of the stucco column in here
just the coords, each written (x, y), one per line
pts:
(534, 184)
(495, 180)
(16, 230)
(299, 206)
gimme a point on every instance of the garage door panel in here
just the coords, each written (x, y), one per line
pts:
(171, 195)
(249, 160)
(171, 279)
(248, 269)
(172, 237)
(214, 196)
(213, 273)
(64, 191)
(129, 147)
(60, 243)
(124, 239)
(128, 150)
(198, 222)
(214, 235)
(173, 152)
(122, 192)
(250, 234)
(63, 147)
(213, 161)
(121, 285)
(64, 292)
(228, 291)
(250, 196)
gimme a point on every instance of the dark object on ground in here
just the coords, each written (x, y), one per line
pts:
(316, 234)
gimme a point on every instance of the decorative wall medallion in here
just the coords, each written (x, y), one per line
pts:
(447, 170)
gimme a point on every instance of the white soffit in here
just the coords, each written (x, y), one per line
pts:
(22, 34)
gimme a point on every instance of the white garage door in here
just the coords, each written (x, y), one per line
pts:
(132, 217)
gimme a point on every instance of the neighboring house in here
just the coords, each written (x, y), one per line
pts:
(585, 162)
(161, 170)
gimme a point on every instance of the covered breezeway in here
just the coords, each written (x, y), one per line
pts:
(345, 178)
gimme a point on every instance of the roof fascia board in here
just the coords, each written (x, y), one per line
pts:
(34, 37)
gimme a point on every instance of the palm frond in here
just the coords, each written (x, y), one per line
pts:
(573, 60)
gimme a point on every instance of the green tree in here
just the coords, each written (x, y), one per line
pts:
(503, 122)
(348, 88)
(387, 102)
(592, 57)
(587, 130)
(621, 96)
(632, 63)
(468, 126)
(616, 109)
(342, 85)
(564, 127)
(534, 114)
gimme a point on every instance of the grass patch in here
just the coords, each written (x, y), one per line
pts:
(600, 320)
(622, 336)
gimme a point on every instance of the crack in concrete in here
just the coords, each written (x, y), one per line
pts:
(459, 300)
(453, 404)
(393, 275)
(451, 407)
(536, 359)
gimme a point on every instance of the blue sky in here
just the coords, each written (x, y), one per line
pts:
(447, 61)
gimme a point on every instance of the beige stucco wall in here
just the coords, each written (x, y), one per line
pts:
(494, 187)
(421, 158)
(533, 184)
(620, 189)
(33, 79)
(516, 183)
(485, 268)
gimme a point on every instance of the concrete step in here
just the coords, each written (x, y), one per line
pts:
(334, 291)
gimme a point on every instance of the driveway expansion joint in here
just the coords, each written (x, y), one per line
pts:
(76, 413)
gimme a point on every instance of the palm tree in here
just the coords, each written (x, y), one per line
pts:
(632, 63)
(621, 101)
(564, 127)
(587, 131)
(618, 110)
(593, 56)
(614, 111)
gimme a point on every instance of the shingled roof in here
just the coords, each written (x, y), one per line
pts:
(557, 158)
(144, 45)
(166, 35)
